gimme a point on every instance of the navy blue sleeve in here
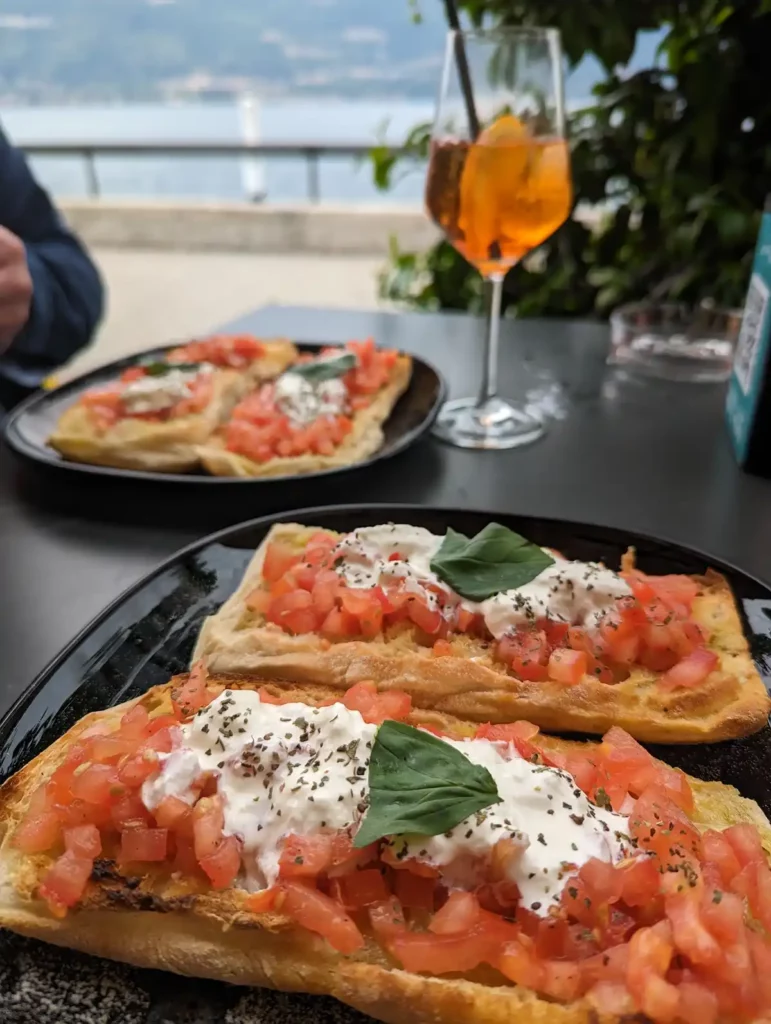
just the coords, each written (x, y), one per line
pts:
(68, 296)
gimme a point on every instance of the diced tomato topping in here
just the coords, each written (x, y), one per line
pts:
(745, 843)
(697, 1004)
(259, 430)
(692, 670)
(96, 783)
(319, 913)
(460, 913)
(679, 592)
(363, 606)
(235, 351)
(133, 373)
(376, 707)
(279, 558)
(192, 695)
(428, 619)
(387, 918)
(262, 902)
(526, 652)
(110, 748)
(567, 666)
(339, 625)
(83, 841)
(138, 767)
(134, 722)
(223, 864)
(175, 815)
(208, 822)
(414, 890)
(640, 880)
(520, 734)
(38, 832)
(650, 954)
(129, 812)
(65, 882)
(690, 936)
(305, 856)
(437, 954)
(520, 964)
(363, 889)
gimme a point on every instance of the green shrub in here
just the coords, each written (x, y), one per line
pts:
(679, 153)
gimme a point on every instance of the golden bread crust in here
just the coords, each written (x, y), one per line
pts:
(732, 702)
(279, 353)
(363, 441)
(167, 447)
(150, 923)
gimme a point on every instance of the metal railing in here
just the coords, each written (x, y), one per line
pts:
(312, 152)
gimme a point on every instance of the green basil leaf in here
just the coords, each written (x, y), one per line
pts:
(156, 368)
(419, 784)
(495, 560)
(325, 368)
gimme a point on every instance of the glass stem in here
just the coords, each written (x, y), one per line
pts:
(490, 374)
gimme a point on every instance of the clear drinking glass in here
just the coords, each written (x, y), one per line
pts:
(498, 185)
(674, 341)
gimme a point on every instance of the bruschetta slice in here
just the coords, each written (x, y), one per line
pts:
(412, 865)
(493, 628)
(322, 413)
(156, 414)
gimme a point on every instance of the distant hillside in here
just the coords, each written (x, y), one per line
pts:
(80, 50)
(132, 49)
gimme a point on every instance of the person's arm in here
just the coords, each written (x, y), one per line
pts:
(66, 290)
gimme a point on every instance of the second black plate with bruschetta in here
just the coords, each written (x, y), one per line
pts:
(283, 411)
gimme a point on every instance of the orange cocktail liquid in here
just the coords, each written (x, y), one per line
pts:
(499, 198)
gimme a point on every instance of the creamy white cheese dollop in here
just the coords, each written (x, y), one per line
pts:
(292, 769)
(364, 558)
(154, 394)
(303, 400)
(579, 593)
(542, 810)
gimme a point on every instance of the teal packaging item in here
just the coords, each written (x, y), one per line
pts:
(748, 405)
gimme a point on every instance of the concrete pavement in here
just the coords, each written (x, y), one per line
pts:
(156, 297)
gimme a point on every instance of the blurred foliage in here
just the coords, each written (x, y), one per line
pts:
(679, 154)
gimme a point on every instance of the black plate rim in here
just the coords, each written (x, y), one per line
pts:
(389, 509)
(40, 457)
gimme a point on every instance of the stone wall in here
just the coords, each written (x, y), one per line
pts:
(242, 227)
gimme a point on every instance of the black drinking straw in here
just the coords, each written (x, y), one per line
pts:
(463, 69)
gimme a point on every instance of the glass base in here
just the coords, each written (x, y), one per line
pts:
(495, 424)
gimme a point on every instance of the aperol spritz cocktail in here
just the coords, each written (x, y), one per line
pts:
(498, 185)
(499, 198)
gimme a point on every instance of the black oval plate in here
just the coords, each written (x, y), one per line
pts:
(148, 634)
(29, 425)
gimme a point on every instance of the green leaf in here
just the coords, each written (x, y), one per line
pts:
(383, 162)
(156, 368)
(497, 559)
(419, 784)
(325, 368)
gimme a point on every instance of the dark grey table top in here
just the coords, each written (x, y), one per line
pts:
(652, 458)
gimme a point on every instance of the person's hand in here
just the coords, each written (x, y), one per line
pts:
(15, 287)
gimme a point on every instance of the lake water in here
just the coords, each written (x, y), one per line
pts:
(283, 179)
(288, 120)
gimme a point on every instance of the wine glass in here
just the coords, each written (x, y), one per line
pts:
(498, 185)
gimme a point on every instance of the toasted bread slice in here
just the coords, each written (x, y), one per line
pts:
(363, 441)
(170, 446)
(731, 702)
(158, 921)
